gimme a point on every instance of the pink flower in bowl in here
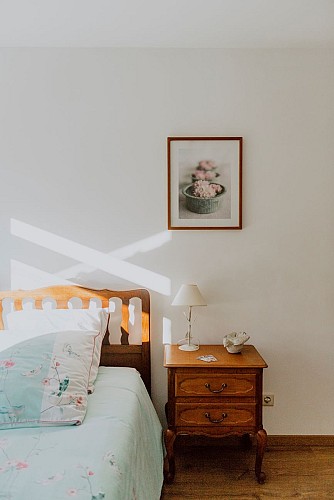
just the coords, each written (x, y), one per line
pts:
(204, 189)
(199, 175)
(207, 165)
(204, 175)
(210, 175)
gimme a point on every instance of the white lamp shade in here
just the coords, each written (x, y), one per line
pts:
(189, 295)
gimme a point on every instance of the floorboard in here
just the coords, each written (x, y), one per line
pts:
(226, 473)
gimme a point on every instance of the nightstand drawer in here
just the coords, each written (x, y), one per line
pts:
(216, 414)
(211, 384)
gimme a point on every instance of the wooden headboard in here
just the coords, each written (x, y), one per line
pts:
(122, 354)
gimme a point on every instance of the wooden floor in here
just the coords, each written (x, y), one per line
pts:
(227, 472)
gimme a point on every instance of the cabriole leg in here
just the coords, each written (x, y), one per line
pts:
(169, 463)
(261, 438)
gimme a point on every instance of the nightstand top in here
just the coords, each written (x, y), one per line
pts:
(248, 358)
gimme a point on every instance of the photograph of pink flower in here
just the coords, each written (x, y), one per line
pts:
(204, 182)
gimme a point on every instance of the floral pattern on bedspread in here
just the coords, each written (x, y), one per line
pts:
(75, 481)
(108, 457)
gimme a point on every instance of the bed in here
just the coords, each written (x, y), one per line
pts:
(92, 432)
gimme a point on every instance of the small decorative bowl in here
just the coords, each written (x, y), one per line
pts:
(234, 341)
(202, 205)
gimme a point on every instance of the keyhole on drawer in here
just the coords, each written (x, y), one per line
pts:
(215, 391)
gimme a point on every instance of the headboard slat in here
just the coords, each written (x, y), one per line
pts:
(125, 317)
(18, 304)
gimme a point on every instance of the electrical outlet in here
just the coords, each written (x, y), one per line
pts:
(268, 400)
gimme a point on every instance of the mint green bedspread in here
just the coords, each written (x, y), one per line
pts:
(116, 454)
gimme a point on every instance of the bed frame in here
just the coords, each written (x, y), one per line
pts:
(122, 354)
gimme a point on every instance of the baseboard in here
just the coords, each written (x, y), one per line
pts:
(301, 440)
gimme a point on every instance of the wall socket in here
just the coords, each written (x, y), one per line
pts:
(268, 400)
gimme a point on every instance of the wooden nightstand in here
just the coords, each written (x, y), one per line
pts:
(216, 399)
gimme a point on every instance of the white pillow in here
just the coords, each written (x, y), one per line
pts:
(31, 323)
(48, 320)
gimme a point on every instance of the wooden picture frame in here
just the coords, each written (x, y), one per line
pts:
(204, 182)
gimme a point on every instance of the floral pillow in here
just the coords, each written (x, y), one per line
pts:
(35, 322)
(44, 380)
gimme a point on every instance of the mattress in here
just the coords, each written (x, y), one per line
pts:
(115, 454)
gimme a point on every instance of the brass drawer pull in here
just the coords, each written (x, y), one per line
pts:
(207, 385)
(208, 416)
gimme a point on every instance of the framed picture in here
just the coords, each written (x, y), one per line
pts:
(204, 182)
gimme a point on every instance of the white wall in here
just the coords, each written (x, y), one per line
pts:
(83, 156)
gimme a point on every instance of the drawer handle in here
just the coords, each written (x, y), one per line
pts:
(216, 391)
(213, 421)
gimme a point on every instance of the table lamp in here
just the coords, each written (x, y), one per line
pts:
(188, 295)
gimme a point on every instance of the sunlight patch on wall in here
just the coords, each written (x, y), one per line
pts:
(94, 258)
(166, 331)
(141, 246)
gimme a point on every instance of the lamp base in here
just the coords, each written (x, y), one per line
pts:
(188, 345)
